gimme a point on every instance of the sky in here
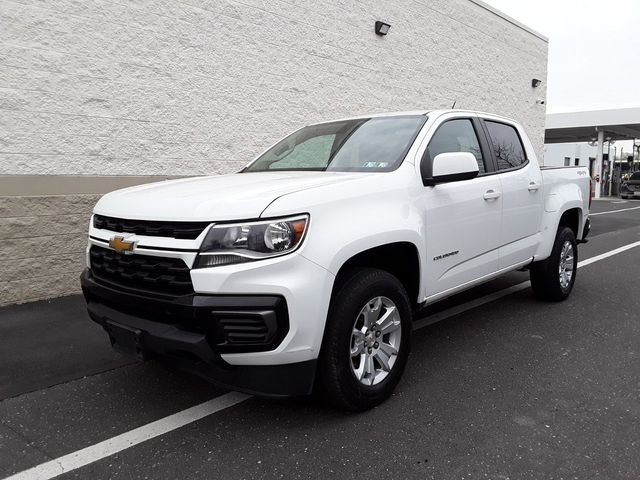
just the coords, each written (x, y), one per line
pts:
(594, 50)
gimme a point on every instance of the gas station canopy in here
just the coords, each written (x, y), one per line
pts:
(572, 127)
(594, 126)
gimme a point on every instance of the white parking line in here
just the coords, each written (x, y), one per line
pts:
(113, 445)
(611, 253)
(116, 444)
(613, 211)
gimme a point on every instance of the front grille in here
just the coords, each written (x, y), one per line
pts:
(179, 230)
(169, 276)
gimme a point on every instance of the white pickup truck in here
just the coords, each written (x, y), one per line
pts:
(304, 270)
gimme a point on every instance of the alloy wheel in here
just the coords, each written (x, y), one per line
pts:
(375, 341)
(566, 267)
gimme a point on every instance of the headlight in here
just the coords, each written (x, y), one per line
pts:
(246, 242)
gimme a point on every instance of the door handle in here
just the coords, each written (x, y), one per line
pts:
(533, 186)
(491, 195)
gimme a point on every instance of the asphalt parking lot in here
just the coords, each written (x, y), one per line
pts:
(502, 387)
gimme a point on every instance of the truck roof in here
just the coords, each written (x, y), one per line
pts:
(414, 112)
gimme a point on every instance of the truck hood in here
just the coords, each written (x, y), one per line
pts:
(223, 197)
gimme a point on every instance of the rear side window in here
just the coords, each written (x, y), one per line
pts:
(507, 146)
(456, 136)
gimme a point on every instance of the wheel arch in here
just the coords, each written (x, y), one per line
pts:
(400, 258)
(572, 216)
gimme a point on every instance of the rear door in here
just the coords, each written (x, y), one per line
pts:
(522, 191)
(462, 219)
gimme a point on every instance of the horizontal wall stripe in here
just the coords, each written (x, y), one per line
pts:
(30, 185)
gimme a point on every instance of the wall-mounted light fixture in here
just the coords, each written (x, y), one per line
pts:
(382, 28)
(535, 83)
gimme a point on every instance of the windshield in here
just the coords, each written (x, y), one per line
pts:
(362, 145)
(635, 176)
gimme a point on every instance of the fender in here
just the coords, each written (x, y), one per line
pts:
(551, 221)
(349, 218)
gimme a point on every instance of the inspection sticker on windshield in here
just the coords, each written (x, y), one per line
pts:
(376, 164)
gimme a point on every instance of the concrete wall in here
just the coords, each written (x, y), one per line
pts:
(157, 87)
(42, 240)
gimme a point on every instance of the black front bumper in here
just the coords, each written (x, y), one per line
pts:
(191, 332)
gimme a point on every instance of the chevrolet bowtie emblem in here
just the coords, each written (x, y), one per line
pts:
(120, 245)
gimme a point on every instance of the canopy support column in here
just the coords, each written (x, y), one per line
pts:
(599, 169)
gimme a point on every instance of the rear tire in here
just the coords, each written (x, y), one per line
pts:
(553, 278)
(366, 341)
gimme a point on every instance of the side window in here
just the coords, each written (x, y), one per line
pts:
(507, 146)
(456, 136)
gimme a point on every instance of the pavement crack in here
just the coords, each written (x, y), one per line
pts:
(30, 443)
(69, 380)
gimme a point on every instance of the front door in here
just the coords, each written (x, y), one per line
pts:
(462, 218)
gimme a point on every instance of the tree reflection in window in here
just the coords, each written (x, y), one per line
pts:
(507, 146)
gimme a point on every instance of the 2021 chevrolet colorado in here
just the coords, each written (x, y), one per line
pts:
(304, 269)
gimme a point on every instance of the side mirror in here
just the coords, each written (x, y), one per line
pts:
(453, 167)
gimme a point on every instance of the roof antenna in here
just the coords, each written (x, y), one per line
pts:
(454, 104)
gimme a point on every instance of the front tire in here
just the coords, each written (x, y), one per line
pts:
(553, 278)
(367, 339)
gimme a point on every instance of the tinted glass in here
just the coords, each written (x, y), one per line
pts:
(370, 144)
(506, 145)
(635, 176)
(456, 136)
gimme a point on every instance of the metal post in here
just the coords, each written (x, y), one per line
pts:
(613, 172)
(608, 167)
(598, 184)
(620, 173)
